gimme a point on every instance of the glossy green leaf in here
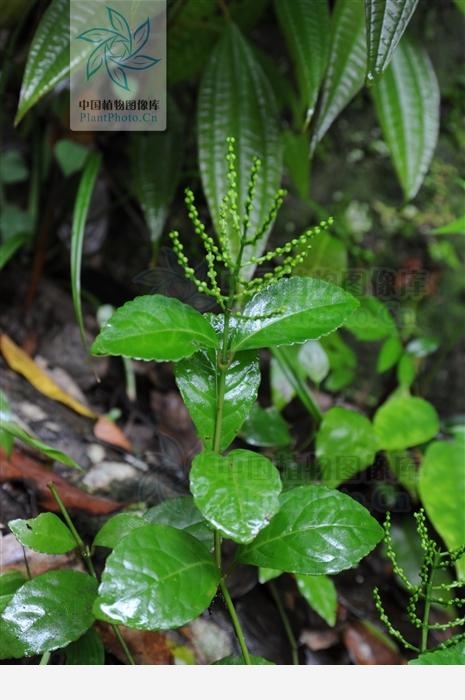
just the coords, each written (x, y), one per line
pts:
(10, 246)
(345, 444)
(238, 494)
(117, 527)
(292, 311)
(460, 4)
(306, 28)
(239, 661)
(346, 69)
(320, 593)
(48, 60)
(182, 513)
(386, 21)
(46, 533)
(236, 100)
(265, 575)
(450, 656)
(156, 160)
(50, 611)
(71, 156)
(405, 421)
(389, 354)
(12, 168)
(316, 531)
(196, 378)
(80, 212)
(10, 581)
(265, 427)
(37, 444)
(442, 491)
(407, 104)
(158, 577)
(88, 650)
(155, 327)
(372, 320)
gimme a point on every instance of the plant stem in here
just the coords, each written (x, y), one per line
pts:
(87, 558)
(222, 368)
(45, 658)
(235, 622)
(286, 623)
(428, 601)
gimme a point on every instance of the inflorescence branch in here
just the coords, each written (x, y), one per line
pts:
(234, 226)
(424, 592)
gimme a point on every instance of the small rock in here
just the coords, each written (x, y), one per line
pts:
(107, 476)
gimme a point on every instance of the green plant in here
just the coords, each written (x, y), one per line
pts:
(166, 566)
(427, 593)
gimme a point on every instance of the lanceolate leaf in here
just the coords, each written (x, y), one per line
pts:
(386, 21)
(407, 104)
(316, 531)
(346, 70)
(306, 28)
(292, 311)
(236, 100)
(265, 427)
(238, 494)
(81, 209)
(442, 490)
(405, 421)
(49, 611)
(48, 60)
(156, 164)
(346, 443)
(155, 327)
(17, 432)
(46, 533)
(197, 382)
(320, 594)
(157, 578)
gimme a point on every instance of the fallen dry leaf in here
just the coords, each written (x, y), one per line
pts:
(107, 431)
(12, 557)
(316, 640)
(39, 475)
(147, 648)
(368, 646)
(20, 362)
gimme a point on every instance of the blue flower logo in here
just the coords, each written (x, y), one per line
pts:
(118, 49)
